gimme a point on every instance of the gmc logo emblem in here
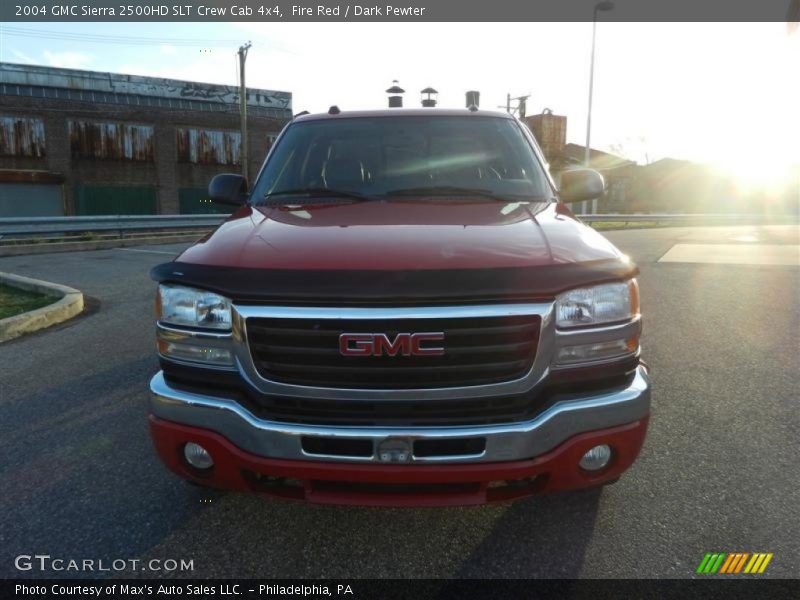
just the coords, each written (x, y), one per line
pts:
(379, 344)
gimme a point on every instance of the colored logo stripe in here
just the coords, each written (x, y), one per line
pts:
(711, 562)
(727, 564)
(701, 568)
(734, 562)
(758, 563)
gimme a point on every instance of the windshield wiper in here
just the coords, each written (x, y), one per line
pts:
(318, 192)
(452, 190)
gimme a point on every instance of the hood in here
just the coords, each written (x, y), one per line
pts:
(401, 235)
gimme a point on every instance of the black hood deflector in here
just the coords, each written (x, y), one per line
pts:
(416, 287)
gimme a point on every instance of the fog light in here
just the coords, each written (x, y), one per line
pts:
(197, 456)
(596, 458)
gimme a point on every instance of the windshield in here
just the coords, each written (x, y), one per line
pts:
(405, 156)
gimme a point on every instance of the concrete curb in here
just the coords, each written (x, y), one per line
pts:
(22, 249)
(68, 305)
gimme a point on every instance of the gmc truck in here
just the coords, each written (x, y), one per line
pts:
(401, 310)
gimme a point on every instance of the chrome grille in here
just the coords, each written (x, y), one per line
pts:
(479, 350)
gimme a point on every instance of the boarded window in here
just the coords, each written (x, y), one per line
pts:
(205, 147)
(21, 136)
(111, 141)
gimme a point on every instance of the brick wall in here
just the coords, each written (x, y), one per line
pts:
(165, 173)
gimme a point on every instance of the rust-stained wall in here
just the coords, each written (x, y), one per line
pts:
(166, 172)
(205, 147)
(22, 136)
(111, 141)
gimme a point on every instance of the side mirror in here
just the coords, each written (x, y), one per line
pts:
(581, 184)
(228, 188)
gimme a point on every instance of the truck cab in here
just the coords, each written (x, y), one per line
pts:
(401, 310)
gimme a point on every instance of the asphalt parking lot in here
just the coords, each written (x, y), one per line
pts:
(719, 470)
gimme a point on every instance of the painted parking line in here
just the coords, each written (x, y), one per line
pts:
(147, 251)
(735, 254)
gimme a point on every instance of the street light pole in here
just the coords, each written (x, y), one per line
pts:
(587, 159)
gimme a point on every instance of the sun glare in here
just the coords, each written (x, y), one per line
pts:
(760, 153)
(759, 174)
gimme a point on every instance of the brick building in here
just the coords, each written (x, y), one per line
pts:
(83, 142)
(551, 133)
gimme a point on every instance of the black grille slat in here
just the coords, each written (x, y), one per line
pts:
(399, 383)
(406, 413)
(377, 325)
(400, 369)
(334, 352)
(478, 351)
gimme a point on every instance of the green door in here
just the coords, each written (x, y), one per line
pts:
(195, 201)
(31, 200)
(115, 200)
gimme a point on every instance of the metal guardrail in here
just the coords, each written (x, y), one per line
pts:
(27, 226)
(30, 226)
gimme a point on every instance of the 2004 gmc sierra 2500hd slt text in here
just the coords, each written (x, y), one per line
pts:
(400, 311)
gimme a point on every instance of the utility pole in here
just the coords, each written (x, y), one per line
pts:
(243, 107)
(521, 107)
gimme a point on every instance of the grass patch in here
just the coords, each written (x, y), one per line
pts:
(14, 301)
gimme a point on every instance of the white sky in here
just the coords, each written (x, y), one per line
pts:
(722, 93)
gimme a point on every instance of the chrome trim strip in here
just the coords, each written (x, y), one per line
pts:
(390, 313)
(513, 441)
(601, 333)
(450, 458)
(336, 457)
(173, 334)
(535, 375)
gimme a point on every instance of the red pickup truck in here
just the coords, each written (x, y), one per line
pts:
(400, 311)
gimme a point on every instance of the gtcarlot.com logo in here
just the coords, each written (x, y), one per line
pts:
(733, 563)
(45, 562)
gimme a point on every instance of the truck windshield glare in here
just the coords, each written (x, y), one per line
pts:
(425, 155)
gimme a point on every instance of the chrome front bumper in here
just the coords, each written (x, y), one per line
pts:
(513, 441)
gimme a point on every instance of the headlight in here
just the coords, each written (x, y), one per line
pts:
(599, 304)
(189, 307)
